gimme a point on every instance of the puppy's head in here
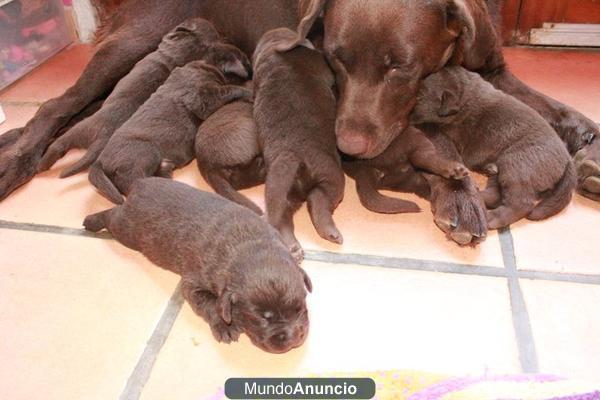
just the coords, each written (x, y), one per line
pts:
(199, 28)
(441, 97)
(270, 304)
(277, 41)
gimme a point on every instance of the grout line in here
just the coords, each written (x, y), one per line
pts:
(141, 373)
(404, 263)
(520, 316)
(21, 103)
(348, 258)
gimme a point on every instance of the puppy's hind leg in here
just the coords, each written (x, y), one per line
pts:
(320, 208)
(372, 200)
(518, 199)
(222, 186)
(491, 194)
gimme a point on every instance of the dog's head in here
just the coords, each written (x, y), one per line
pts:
(198, 28)
(441, 96)
(277, 41)
(229, 59)
(380, 51)
(270, 303)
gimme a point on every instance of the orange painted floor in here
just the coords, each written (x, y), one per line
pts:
(84, 318)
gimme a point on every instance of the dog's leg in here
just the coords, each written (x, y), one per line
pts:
(222, 186)
(114, 58)
(320, 208)
(10, 137)
(372, 200)
(205, 305)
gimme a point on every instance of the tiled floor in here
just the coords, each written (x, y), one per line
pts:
(82, 317)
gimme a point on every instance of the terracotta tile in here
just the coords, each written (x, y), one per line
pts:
(362, 319)
(569, 76)
(566, 243)
(16, 116)
(52, 78)
(566, 327)
(75, 315)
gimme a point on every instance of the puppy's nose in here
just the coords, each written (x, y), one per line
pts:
(281, 337)
(352, 143)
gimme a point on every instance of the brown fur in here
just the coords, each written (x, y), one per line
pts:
(294, 108)
(237, 274)
(229, 154)
(491, 127)
(160, 136)
(192, 40)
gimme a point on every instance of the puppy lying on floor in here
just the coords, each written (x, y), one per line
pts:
(236, 272)
(297, 134)
(536, 176)
(192, 40)
(160, 136)
(228, 153)
(410, 149)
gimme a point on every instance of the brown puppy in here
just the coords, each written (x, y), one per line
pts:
(160, 136)
(228, 153)
(294, 108)
(194, 39)
(411, 149)
(237, 274)
(536, 176)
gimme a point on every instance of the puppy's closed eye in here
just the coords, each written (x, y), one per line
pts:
(268, 315)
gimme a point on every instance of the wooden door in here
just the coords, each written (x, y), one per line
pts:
(521, 16)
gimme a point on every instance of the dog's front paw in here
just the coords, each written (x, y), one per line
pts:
(17, 167)
(460, 212)
(587, 162)
(225, 333)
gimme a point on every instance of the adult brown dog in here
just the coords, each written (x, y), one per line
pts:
(237, 274)
(535, 176)
(160, 136)
(294, 109)
(419, 35)
(194, 39)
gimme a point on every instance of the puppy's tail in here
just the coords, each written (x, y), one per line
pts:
(88, 159)
(281, 177)
(97, 222)
(558, 198)
(99, 179)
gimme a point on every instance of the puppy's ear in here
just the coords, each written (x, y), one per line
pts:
(460, 23)
(307, 281)
(308, 11)
(231, 60)
(226, 301)
(449, 104)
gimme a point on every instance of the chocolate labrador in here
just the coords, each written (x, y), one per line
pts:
(194, 39)
(294, 108)
(228, 152)
(535, 175)
(413, 34)
(160, 136)
(236, 272)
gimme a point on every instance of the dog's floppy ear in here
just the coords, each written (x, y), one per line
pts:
(226, 301)
(307, 281)
(308, 11)
(460, 23)
(449, 104)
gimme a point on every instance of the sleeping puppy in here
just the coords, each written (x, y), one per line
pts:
(236, 272)
(295, 110)
(395, 167)
(194, 39)
(160, 136)
(228, 153)
(536, 176)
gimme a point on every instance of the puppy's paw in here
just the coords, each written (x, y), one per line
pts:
(458, 172)
(224, 333)
(460, 212)
(587, 162)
